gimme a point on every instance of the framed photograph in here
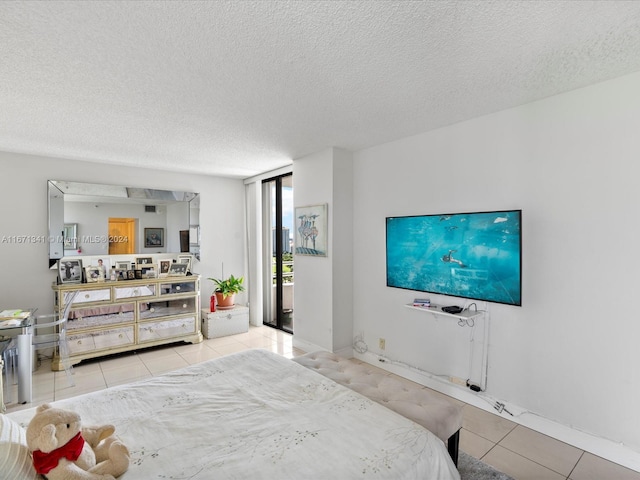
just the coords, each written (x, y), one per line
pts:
(153, 237)
(185, 259)
(93, 274)
(131, 274)
(121, 274)
(311, 225)
(163, 267)
(143, 261)
(177, 269)
(138, 274)
(148, 271)
(70, 271)
(123, 265)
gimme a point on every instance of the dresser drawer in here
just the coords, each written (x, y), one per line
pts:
(87, 342)
(174, 288)
(135, 291)
(166, 308)
(80, 343)
(150, 331)
(86, 296)
(114, 338)
(101, 316)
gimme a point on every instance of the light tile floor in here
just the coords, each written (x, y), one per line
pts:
(516, 450)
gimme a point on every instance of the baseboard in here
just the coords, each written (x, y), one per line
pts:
(307, 346)
(601, 447)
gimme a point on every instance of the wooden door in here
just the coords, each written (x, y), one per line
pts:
(122, 236)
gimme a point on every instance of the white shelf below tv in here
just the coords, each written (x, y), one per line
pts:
(437, 310)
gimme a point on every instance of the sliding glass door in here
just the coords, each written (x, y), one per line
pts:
(277, 241)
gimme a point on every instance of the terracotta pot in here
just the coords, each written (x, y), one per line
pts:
(227, 302)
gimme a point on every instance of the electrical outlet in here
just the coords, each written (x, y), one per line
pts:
(382, 343)
(458, 381)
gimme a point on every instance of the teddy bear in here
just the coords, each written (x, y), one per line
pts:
(64, 450)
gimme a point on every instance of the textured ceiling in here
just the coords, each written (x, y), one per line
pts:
(239, 88)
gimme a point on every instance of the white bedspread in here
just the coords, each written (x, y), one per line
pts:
(257, 415)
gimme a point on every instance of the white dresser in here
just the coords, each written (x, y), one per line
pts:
(225, 322)
(113, 317)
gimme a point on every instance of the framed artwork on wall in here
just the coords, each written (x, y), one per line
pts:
(153, 237)
(311, 225)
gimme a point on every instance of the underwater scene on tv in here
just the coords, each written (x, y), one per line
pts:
(470, 255)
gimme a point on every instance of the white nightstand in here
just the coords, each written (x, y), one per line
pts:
(225, 322)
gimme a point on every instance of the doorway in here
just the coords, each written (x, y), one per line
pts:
(277, 241)
(122, 236)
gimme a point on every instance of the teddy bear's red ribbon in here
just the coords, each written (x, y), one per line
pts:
(44, 462)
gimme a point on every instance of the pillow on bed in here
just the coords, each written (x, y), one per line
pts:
(15, 460)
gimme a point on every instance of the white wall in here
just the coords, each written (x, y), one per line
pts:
(323, 290)
(313, 317)
(26, 280)
(570, 162)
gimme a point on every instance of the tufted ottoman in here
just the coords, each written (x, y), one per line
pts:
(438, 415)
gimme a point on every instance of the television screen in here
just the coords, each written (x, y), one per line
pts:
(470, 255)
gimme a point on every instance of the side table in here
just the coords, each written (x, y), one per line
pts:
(225, 322)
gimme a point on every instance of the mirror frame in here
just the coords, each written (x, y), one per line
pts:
(63, 236)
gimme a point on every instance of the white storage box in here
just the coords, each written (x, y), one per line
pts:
(225, 322)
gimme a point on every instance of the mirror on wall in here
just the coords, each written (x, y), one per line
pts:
(97, 219)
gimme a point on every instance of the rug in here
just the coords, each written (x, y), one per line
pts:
(473, 469)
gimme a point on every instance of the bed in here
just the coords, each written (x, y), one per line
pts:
(253, 414)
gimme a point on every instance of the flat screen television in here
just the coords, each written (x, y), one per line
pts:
(470, 255)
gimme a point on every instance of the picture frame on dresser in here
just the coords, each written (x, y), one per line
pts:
(163, 268)
(121, 274)
(177, 269)
(92, 274)
(148, 271)
(140, 261)
(123, 265)
(185, 259)
(70, 271)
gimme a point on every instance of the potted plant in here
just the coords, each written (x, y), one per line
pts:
(226, 290)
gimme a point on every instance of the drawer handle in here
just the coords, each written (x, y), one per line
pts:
(86, 295)
(228, 316)
(120, 336)
(79, 342)
(152, 309)
(178, 287)
(136, 292)
(184, 305)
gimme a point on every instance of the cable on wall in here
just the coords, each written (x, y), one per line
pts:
(359, 345)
